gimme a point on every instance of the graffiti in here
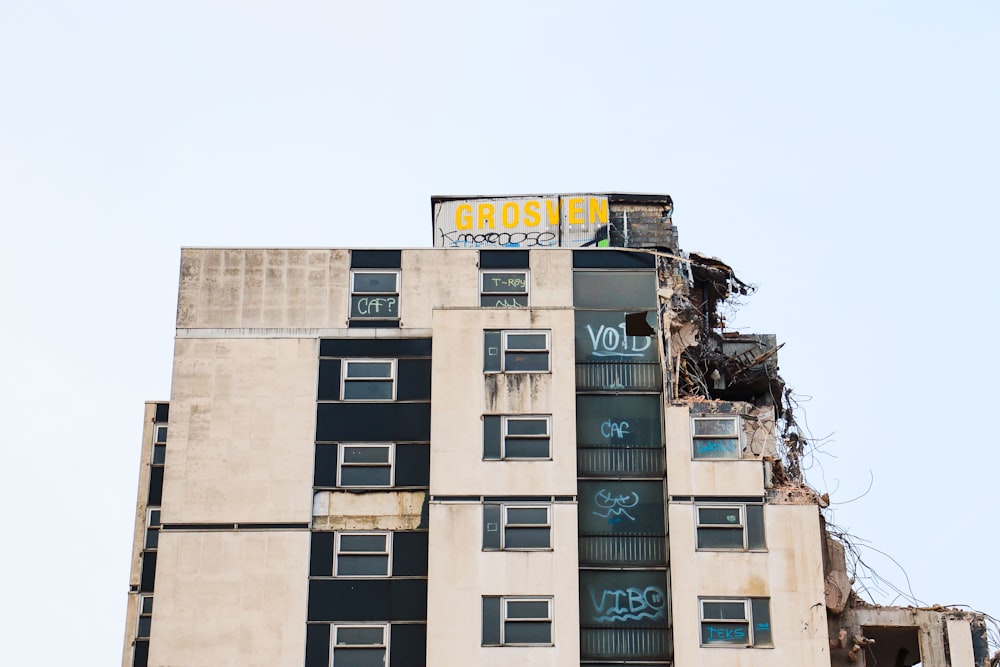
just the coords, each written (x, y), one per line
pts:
(729, 634)
(629, 604)
(385, 306)
(615, 507)
(616, 430)
(499, 283)
(717, 447)
(505, 302)
(609, 342)
(456, 239)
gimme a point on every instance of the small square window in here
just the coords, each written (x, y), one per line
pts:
(716, 438)
(145, 616)
(517, 621)
(512, 437)
(359, 645)
(365, 465)
(363, 554)
(516, 351)
(511, 526)
(503, 289)
(735, 622)
(152, 528)
(737, 527)
(375, 295)
(369, 380)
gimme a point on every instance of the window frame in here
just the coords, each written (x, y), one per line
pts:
(384, 645)
(744, 526)
(506, 617)
(485, 293)
(504, 523)
(695, 437)
(342, 448)
(152, 528)
(144, 617)
(504, 348)
(397, 273)
(752, 640)
(505, 434)
(346, 378)
(338, 551)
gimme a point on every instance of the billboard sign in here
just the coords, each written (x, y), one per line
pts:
(572, 221)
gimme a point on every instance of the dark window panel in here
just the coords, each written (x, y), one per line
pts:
(361, 600)
(760, 615)
(162, 412)
(366, 422)
(503, 259)
(140, 658)
(755, 527)
(329, 380)
(159, 454)
(527, 538)
(413, 380)
(491, 526)
(720, 538)
(413, 465)
(408, 645)
(373, 324)
(375, 347)
(317, 645)
(491, 437)
(491, 351)
(409, 554)
(148, 575)
(611, 259)
(605, 600)
(155, 485)
(321, 555)
(326, 466)
(491, 621)
(527, 632)
(375, 259)
(632, 290)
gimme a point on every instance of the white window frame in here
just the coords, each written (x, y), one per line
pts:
(505, 523)
(484, 290)
(361, 293)
(505, 421)
(157, 428)
(751, 640)
(506, 348)
(342, 463)
(338, 551)
(335, 630)
(741, 525)
(506, 618)
(345, 377)
(695, 438)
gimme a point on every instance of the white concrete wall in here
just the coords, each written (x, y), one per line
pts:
(432, 279)
(706, 477)
(461, 573)
(790, 573)
(461, 394)
(242, 431)
(225, 598)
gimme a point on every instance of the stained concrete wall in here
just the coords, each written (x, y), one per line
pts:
(461, 394)
(790, 573)
(230, 598)
(242, 431)
(461, 573)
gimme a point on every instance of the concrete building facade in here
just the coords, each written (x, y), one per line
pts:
(532, 445)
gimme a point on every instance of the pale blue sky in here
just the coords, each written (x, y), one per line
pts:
(842, 156)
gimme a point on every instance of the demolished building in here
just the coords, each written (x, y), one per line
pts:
(535, 443)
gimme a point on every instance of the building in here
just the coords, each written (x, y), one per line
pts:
(533, 444)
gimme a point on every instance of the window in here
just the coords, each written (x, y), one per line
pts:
(503, 289)
(364, 465)
(369, 380)
(375, 295)
(716, 438)
(152, 528)
(363, 554)
(359, 645)
(159, 445)
(145, 616)
(737, 526)
(515, 526)
(516, 351)
(736, 622)
(517, 621)
(508, 437)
